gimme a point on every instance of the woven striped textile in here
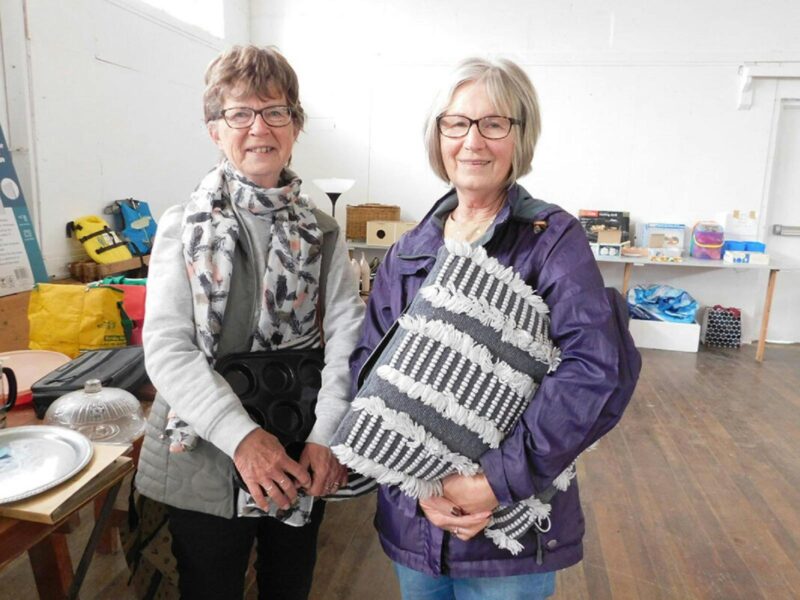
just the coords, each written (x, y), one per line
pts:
(452, 382)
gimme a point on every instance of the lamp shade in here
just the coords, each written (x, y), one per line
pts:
(334, 185)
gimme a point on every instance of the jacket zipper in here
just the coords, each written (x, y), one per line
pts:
(384, 339)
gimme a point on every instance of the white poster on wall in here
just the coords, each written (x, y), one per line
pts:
(21, 262)
(15, 272)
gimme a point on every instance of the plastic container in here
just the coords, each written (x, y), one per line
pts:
(734, 246)
(755, 247)
(356, 270)
(365, 280)
(707, 240)
(108, 415)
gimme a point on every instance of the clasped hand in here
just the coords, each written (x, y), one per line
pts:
(268, 472)
(466, 507)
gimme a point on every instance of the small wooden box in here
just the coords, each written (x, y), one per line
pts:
(359, 214)
(87, 270)
(386, 233)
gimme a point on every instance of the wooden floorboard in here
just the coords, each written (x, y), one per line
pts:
(695, 495)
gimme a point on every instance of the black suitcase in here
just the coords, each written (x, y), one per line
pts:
(114, 367)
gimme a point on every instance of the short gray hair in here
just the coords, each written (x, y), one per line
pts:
(512, 93)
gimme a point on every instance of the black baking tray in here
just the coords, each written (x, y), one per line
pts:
(279, 390)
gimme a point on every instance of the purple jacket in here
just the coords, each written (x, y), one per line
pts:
(572, 408)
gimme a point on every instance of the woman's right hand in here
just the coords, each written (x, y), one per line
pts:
(266, 468)
(446, 515)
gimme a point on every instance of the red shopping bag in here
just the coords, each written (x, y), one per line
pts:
(133, 305)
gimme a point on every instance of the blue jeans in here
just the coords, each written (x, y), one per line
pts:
(415, 585)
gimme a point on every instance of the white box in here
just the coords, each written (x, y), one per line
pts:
(744, 257)
(671, 236)
(608, 249)
(662, 335)
(386, 233)
(741, 225)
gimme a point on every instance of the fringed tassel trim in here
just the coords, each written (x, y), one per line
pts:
(449, 336)
(491, 316)
(414, 433)
(539, 509)
(563, 481)
(416, 488)
(505, 275)
(503, 541)
(445, 403)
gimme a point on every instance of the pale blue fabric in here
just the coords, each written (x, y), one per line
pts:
(661, 303)
(415, 585)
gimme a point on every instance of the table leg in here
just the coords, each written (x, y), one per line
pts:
(52, 567)
(91, 546)
(626, 278)
(762, 338)
(109, 542)
(71, 524)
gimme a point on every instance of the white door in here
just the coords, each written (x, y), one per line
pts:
(783, 208)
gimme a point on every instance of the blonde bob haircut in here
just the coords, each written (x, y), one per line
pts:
(512, 94)
(251, 70)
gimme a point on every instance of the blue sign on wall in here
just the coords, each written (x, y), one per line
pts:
(11, 197)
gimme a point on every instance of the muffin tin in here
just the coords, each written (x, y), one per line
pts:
(278, 388)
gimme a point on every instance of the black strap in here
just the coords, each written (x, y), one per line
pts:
(103, 231)
(547, 494)
(94, 234)
(111, 247)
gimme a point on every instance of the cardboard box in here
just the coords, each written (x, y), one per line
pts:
(668, 239)
(662, 335)
(596, 221)
(386, 233)
(741, 225)
(744, 257)
(609, 243)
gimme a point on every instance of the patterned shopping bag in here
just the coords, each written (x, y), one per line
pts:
(722, 327)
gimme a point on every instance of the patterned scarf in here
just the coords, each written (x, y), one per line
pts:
(290, 283)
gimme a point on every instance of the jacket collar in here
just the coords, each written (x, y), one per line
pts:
(425, 240)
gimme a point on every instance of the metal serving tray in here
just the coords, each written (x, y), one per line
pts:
(36, 458)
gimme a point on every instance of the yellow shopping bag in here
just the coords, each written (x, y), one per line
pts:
(72, 318)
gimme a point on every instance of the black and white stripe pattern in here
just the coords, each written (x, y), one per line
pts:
(465, 362)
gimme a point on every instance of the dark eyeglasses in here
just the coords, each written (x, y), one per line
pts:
(242, 117)
(492, 127)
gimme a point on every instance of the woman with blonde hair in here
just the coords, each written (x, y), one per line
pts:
(480, 138)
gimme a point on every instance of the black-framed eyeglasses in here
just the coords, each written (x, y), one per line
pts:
(492, 127)
(242, 117)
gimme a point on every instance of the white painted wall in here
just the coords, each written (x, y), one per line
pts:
(104, 102)
(639, 102)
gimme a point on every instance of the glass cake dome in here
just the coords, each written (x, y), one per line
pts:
(107, 415)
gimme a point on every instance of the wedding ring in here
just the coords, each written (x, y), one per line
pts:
(269, 488)
(455, 531)
(282, 482)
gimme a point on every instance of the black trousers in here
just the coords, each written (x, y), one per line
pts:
(213, 553)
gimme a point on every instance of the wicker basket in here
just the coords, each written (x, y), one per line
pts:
(359, 214)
